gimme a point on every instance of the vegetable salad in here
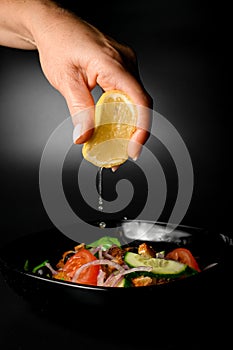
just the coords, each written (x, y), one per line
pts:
(106, 263)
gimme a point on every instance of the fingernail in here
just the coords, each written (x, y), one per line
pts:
(134, 150)
(135, 158)
(77, 132)
(114, 168)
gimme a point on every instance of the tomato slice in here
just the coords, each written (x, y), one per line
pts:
(89, 274)
(184, 256)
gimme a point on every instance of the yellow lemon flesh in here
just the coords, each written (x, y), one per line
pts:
(115, 122)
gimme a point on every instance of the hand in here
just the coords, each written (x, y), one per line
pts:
(75, 57)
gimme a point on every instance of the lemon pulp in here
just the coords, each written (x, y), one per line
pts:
(115, 122)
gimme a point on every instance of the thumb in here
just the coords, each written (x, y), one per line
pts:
(80, 103)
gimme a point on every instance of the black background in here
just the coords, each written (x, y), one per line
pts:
(183, 49)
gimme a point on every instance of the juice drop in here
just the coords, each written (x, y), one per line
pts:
(100, 189)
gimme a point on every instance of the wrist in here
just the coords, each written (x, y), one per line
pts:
(40, 16)
(23, 21)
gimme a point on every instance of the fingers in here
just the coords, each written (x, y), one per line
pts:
(83, 122)
(81, 106)
(142, 132)
(114, 168)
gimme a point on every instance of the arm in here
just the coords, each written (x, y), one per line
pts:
(75, 57)
(18, 19)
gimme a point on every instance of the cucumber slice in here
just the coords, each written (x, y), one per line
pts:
(160, 267)
(122, 283)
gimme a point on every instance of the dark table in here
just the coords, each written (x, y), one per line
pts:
(196, 321)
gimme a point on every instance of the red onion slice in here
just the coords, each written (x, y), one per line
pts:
(96, 262)
(101, 277)
(49, 266)
(113, 282)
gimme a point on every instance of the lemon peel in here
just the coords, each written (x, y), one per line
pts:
(115, 122)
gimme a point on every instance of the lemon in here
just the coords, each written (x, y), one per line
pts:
(115, 122)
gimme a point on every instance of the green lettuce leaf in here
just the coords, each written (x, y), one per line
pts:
(106, 242)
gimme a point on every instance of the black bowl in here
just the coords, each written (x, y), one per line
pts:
(212, 250)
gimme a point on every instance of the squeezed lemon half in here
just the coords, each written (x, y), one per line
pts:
(115, 122)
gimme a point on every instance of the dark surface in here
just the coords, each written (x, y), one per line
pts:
(184, 57)
(190, 309)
